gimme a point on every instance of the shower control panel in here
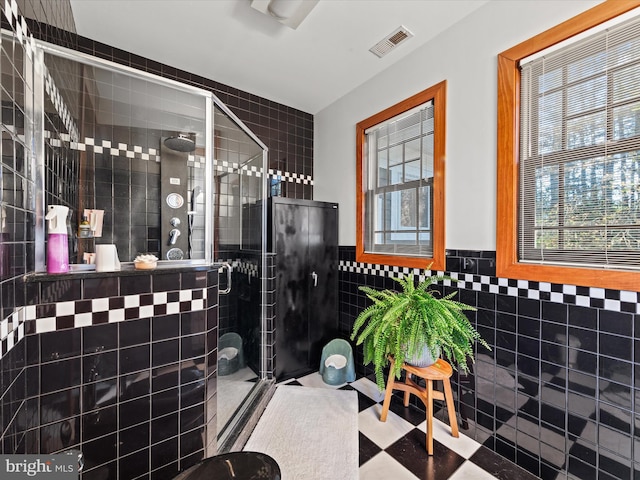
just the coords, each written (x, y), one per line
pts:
(174, 235)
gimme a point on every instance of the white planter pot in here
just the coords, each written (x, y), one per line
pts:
(424, 358)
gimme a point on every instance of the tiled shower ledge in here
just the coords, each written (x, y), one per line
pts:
(23, 319)
(126, 269)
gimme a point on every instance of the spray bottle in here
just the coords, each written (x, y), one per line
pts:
(57, 244)
(4, 249)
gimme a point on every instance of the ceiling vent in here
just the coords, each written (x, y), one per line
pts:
(391, 41)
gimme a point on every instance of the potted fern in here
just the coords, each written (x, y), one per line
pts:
(415, 322)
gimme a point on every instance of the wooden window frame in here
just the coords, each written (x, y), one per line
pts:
(507, 262)
(437, 93)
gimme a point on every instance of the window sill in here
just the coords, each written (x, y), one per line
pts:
(401, 261)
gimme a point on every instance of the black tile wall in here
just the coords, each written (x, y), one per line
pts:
(116, 391)
(558, 392)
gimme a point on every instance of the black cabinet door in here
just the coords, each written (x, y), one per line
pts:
(323, 279)
(290, 230)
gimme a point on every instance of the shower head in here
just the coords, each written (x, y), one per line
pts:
(181, 143)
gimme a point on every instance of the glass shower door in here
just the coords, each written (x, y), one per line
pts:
(238, 190)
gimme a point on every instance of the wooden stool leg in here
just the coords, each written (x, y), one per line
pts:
(429, 416)
(451, 409)
(406, 393)
(387, 394)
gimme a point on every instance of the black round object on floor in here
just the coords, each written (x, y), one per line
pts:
(234, 466)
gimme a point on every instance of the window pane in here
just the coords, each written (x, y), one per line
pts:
(585, 240)
(586, 67)
(383, 139)
(597, 192)
(424, 194)
(427, 156)
(425, 239)
(427, 123)
(587, 131)
(547, 196)
(626, 121)
(409, 213)
(587, 95)
(624, 188)
(379, 212)
(550, 123)
(625, 52)
(395, 155)
(391, 210)
(623, 239)
(395, 175)
(584, 192)
(412, 171)
(626, 83)
(412, 150)
(550, 80)
(546, 239)
(400, 217)
(401, 238)
(404, 128)
(383, 171)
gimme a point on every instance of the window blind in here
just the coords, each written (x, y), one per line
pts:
(579, 170)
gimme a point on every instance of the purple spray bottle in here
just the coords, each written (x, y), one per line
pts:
(57, 243)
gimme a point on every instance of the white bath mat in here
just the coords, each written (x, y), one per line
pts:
(312, 433)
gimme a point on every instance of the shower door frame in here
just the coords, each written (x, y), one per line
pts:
(233, 436)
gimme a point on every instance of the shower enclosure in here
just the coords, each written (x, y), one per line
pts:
(158, 167)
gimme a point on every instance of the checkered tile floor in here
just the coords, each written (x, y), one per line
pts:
(396, 449)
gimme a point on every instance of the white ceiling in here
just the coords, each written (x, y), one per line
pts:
(309, 68)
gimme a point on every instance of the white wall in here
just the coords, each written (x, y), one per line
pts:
(466, 56)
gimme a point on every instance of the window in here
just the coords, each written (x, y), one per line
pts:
(569, 154)
(400, 184)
